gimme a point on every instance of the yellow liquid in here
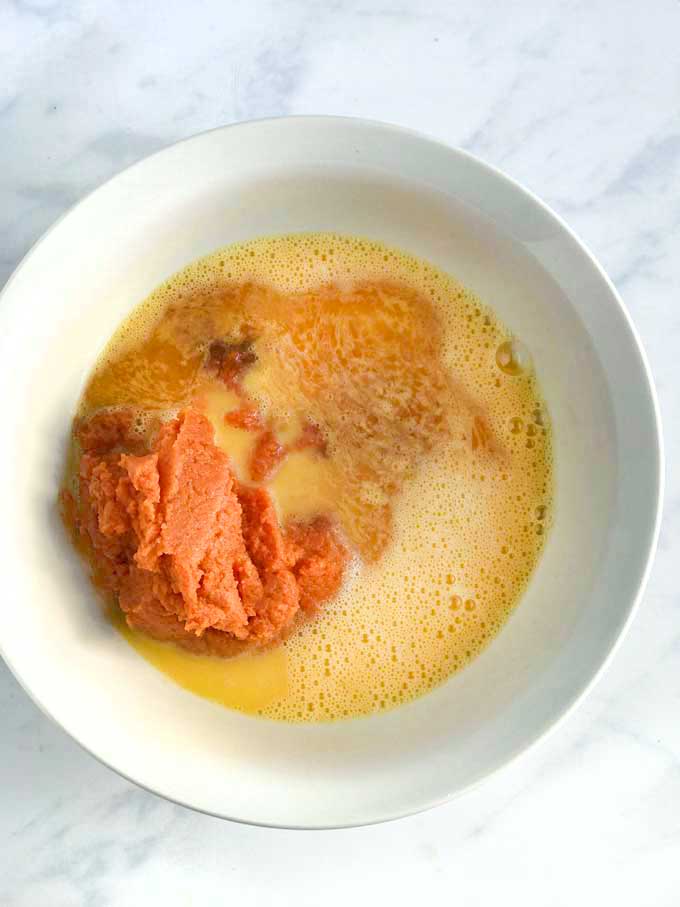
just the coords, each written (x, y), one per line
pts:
(248, 683)
(447, 532)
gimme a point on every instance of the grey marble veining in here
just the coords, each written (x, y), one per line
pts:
(580, 101)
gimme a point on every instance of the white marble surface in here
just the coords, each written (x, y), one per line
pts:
(581, 102)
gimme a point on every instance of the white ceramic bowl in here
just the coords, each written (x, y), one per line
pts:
(352, 176)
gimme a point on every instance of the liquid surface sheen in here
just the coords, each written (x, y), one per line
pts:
(447, 512)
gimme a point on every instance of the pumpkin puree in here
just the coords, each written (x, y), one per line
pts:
(192, 555)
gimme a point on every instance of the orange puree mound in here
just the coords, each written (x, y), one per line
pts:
(318, 558)
(192, 556)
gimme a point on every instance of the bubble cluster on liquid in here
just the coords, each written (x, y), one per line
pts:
(469, 527)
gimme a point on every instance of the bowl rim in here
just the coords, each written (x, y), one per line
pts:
(551, 725)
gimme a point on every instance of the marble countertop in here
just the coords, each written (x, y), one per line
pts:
(580, 101)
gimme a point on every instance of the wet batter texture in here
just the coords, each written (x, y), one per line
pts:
(319, 455)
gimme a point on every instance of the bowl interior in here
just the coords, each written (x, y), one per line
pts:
(354, 177)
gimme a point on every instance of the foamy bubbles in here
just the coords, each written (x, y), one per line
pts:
(513, 358)
(471, 513)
